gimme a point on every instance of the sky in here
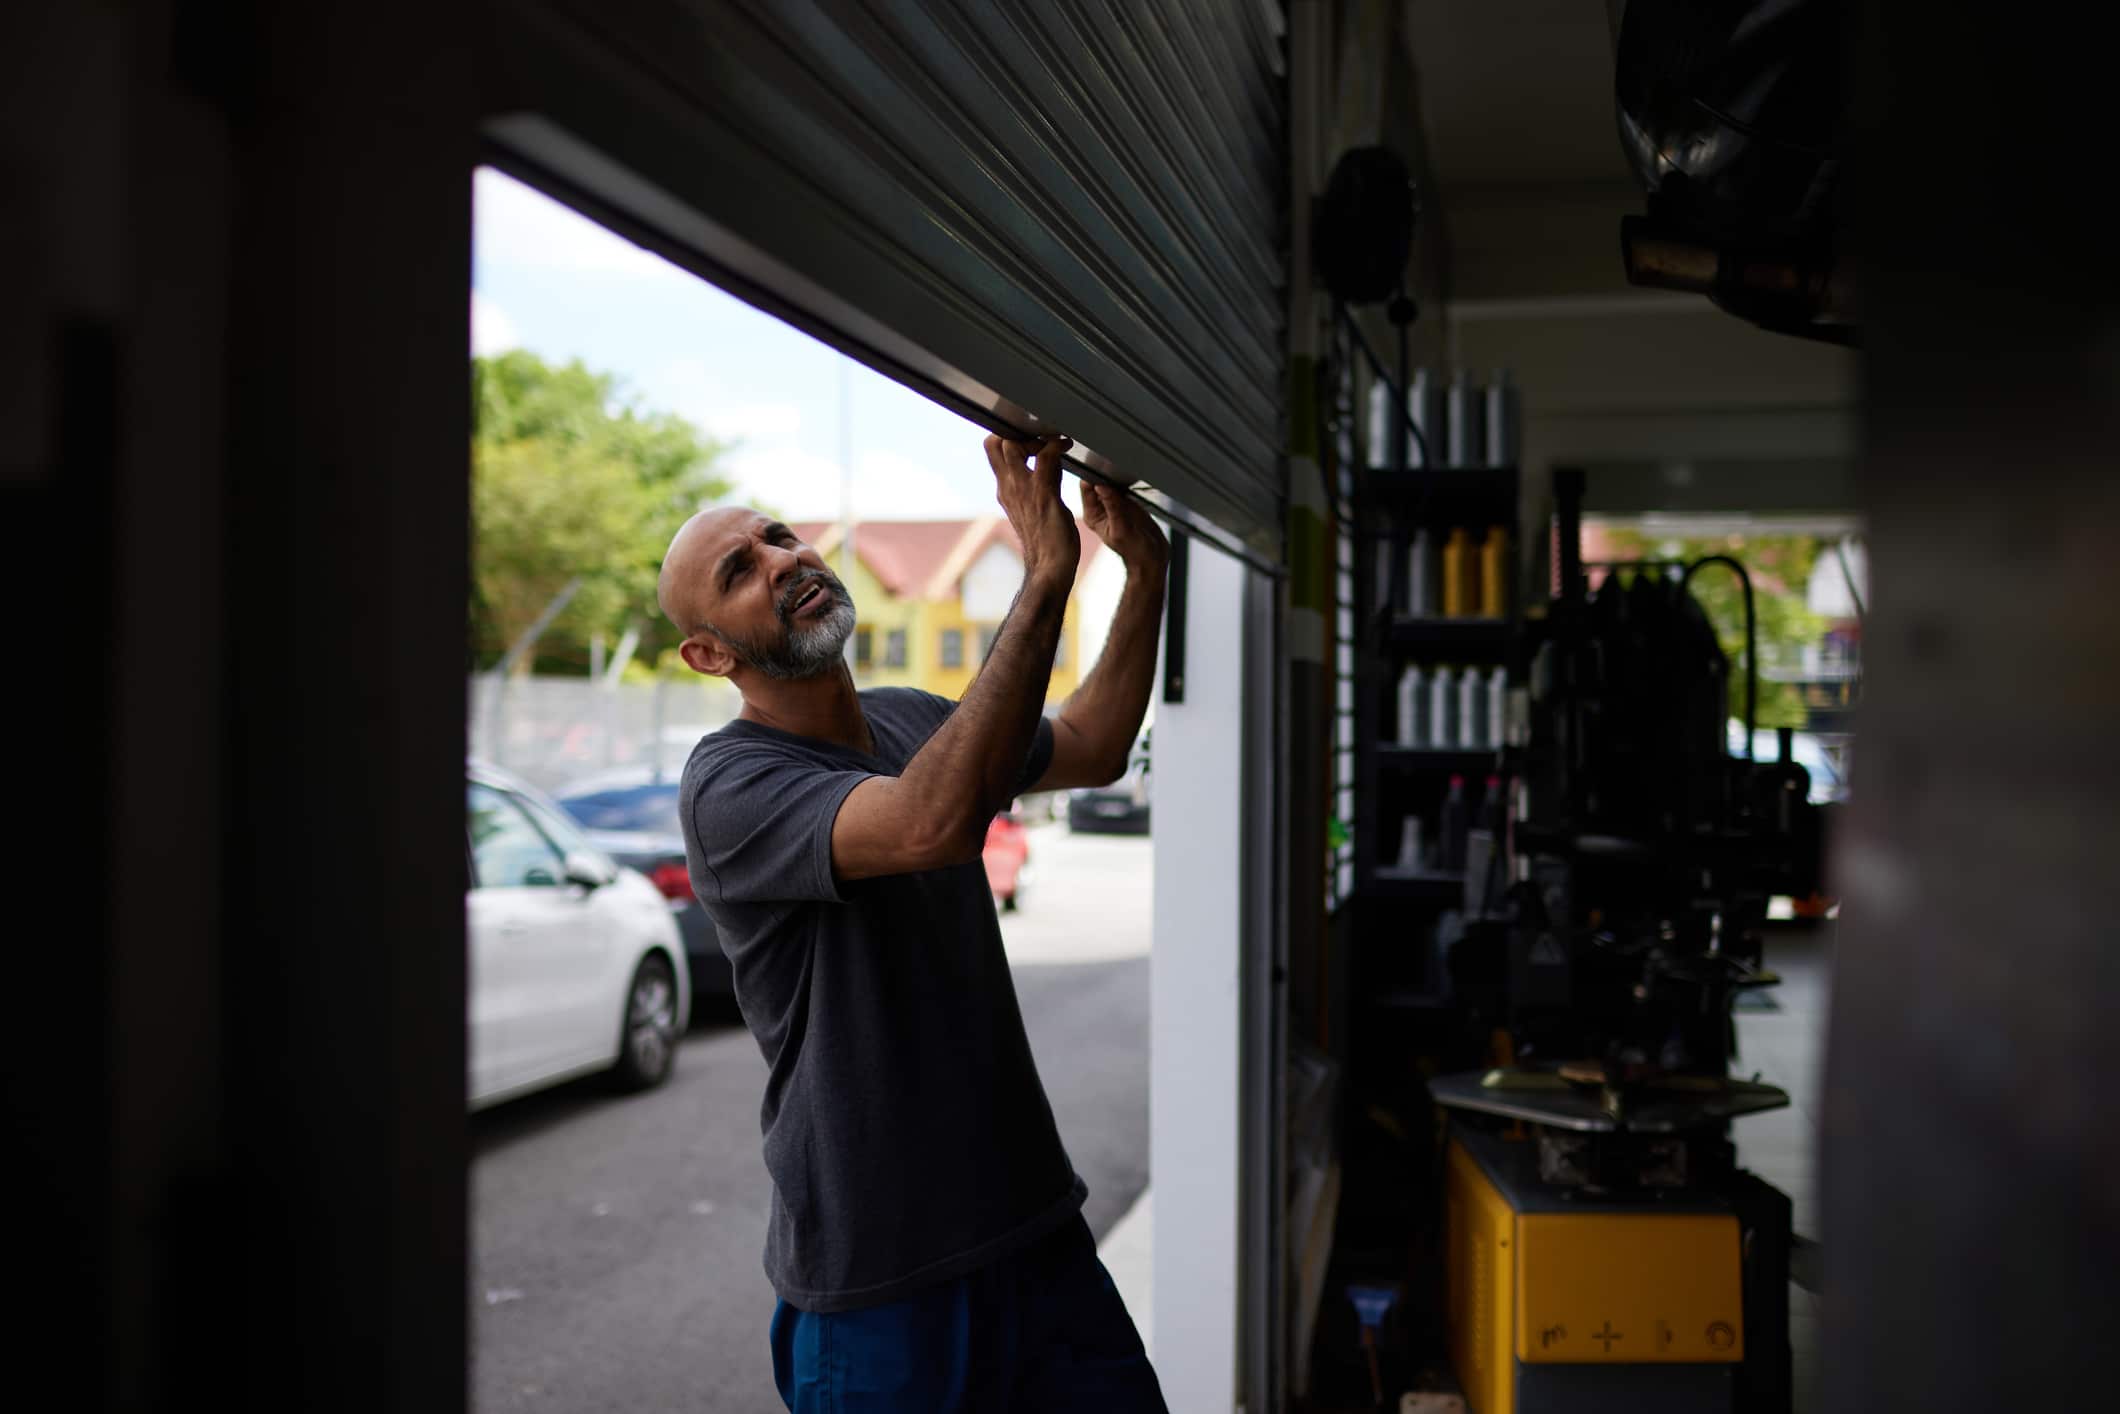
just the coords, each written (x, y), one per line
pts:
(553, 282)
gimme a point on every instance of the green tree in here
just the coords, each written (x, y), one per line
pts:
(1780, 566)
(572, 478)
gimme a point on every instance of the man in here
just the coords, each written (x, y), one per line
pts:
(925, 1237)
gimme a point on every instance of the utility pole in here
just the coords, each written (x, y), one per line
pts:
(846, 483)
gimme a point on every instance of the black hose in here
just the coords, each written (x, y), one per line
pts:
(1744, 580)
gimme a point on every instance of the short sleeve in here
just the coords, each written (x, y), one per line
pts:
(762, 823)
(1041, 755)
(1034, 764)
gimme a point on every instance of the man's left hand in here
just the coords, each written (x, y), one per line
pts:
(1124, 524)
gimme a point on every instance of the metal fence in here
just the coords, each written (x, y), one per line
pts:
(555, 730)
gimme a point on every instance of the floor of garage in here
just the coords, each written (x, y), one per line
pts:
(1787, 1047)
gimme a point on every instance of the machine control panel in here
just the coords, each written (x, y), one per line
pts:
(1628, 1288)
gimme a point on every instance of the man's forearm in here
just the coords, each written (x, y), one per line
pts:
(1105, 712)
(973, 764)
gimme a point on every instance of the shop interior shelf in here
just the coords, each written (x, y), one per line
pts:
(1425, 883)
(1439, 759)
(1438, 635)
(1480, 496)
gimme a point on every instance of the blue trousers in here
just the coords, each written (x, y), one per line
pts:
(1039, 1332)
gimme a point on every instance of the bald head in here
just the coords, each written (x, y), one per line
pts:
(690, 561)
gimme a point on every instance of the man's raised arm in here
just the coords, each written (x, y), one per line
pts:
(1094, 734)
(936, 811)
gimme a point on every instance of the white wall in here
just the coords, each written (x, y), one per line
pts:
(1194, 1018)
(990, 585)
(1096, 600)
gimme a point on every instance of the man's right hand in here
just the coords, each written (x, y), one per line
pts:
(936, 811)
(1027, 484)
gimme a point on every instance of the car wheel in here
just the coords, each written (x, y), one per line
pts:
(647, 1046)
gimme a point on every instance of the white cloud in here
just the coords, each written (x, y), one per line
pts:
(887, 486)
(759, 425)
(798, 484)
(518, 226)
(492, 331)
(891, 485)
(692, 390)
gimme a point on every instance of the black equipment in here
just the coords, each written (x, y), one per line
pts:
(1642, 857)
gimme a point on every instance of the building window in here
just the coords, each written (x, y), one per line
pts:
(987, 634)
(953, 648)
(894, 648)
(862, 647)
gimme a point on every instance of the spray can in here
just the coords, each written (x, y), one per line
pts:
(1494, 560)
(1410, 704)
(1466, 420)
(1442, 709)
(1504, 421)
(1424, 404)
(1498, 708)
(1380, 428)
(1458, 574)
(1472, 711)
(1420, 575)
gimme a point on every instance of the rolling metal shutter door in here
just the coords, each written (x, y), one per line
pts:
(1070, 208)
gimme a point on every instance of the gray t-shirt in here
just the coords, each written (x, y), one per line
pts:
(906, 1132)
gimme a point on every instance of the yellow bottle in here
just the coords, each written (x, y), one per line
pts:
(1458, 572)
(1494, 563)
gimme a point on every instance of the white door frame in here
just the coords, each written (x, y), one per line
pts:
(1213, 1050)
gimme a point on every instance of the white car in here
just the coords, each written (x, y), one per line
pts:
(576, 965)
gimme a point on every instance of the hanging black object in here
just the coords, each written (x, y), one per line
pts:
(1361, 229)
(1731, 113)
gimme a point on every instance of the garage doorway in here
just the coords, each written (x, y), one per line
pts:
(616, 1238)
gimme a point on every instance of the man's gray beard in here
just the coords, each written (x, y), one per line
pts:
(806, 652)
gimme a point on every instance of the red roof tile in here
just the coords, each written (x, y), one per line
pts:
(906, 556)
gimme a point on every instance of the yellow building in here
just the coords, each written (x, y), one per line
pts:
(930, 595)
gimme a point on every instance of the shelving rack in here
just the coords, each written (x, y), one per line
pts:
(1398, 962)
(1392, 1011)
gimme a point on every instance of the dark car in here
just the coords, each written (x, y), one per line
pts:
(632, 816)
(1120, 808)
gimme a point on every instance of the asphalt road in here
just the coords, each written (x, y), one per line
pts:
(616, 1240)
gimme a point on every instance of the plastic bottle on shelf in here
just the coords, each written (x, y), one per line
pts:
(1424, 404)
(1472, 711)
(1442, 708)
(1498, 708)
(1411, 690)
(1494, 562)
(1410, 843)
(1504, 420)
(1457, 574)
(1420, 575)
(1467, 421)
(1378, 443)
(1454, 825)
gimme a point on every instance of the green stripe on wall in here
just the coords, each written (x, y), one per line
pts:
(1309, 567)
(1303, 407)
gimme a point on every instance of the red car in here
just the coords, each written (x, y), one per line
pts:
(1008, 849)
